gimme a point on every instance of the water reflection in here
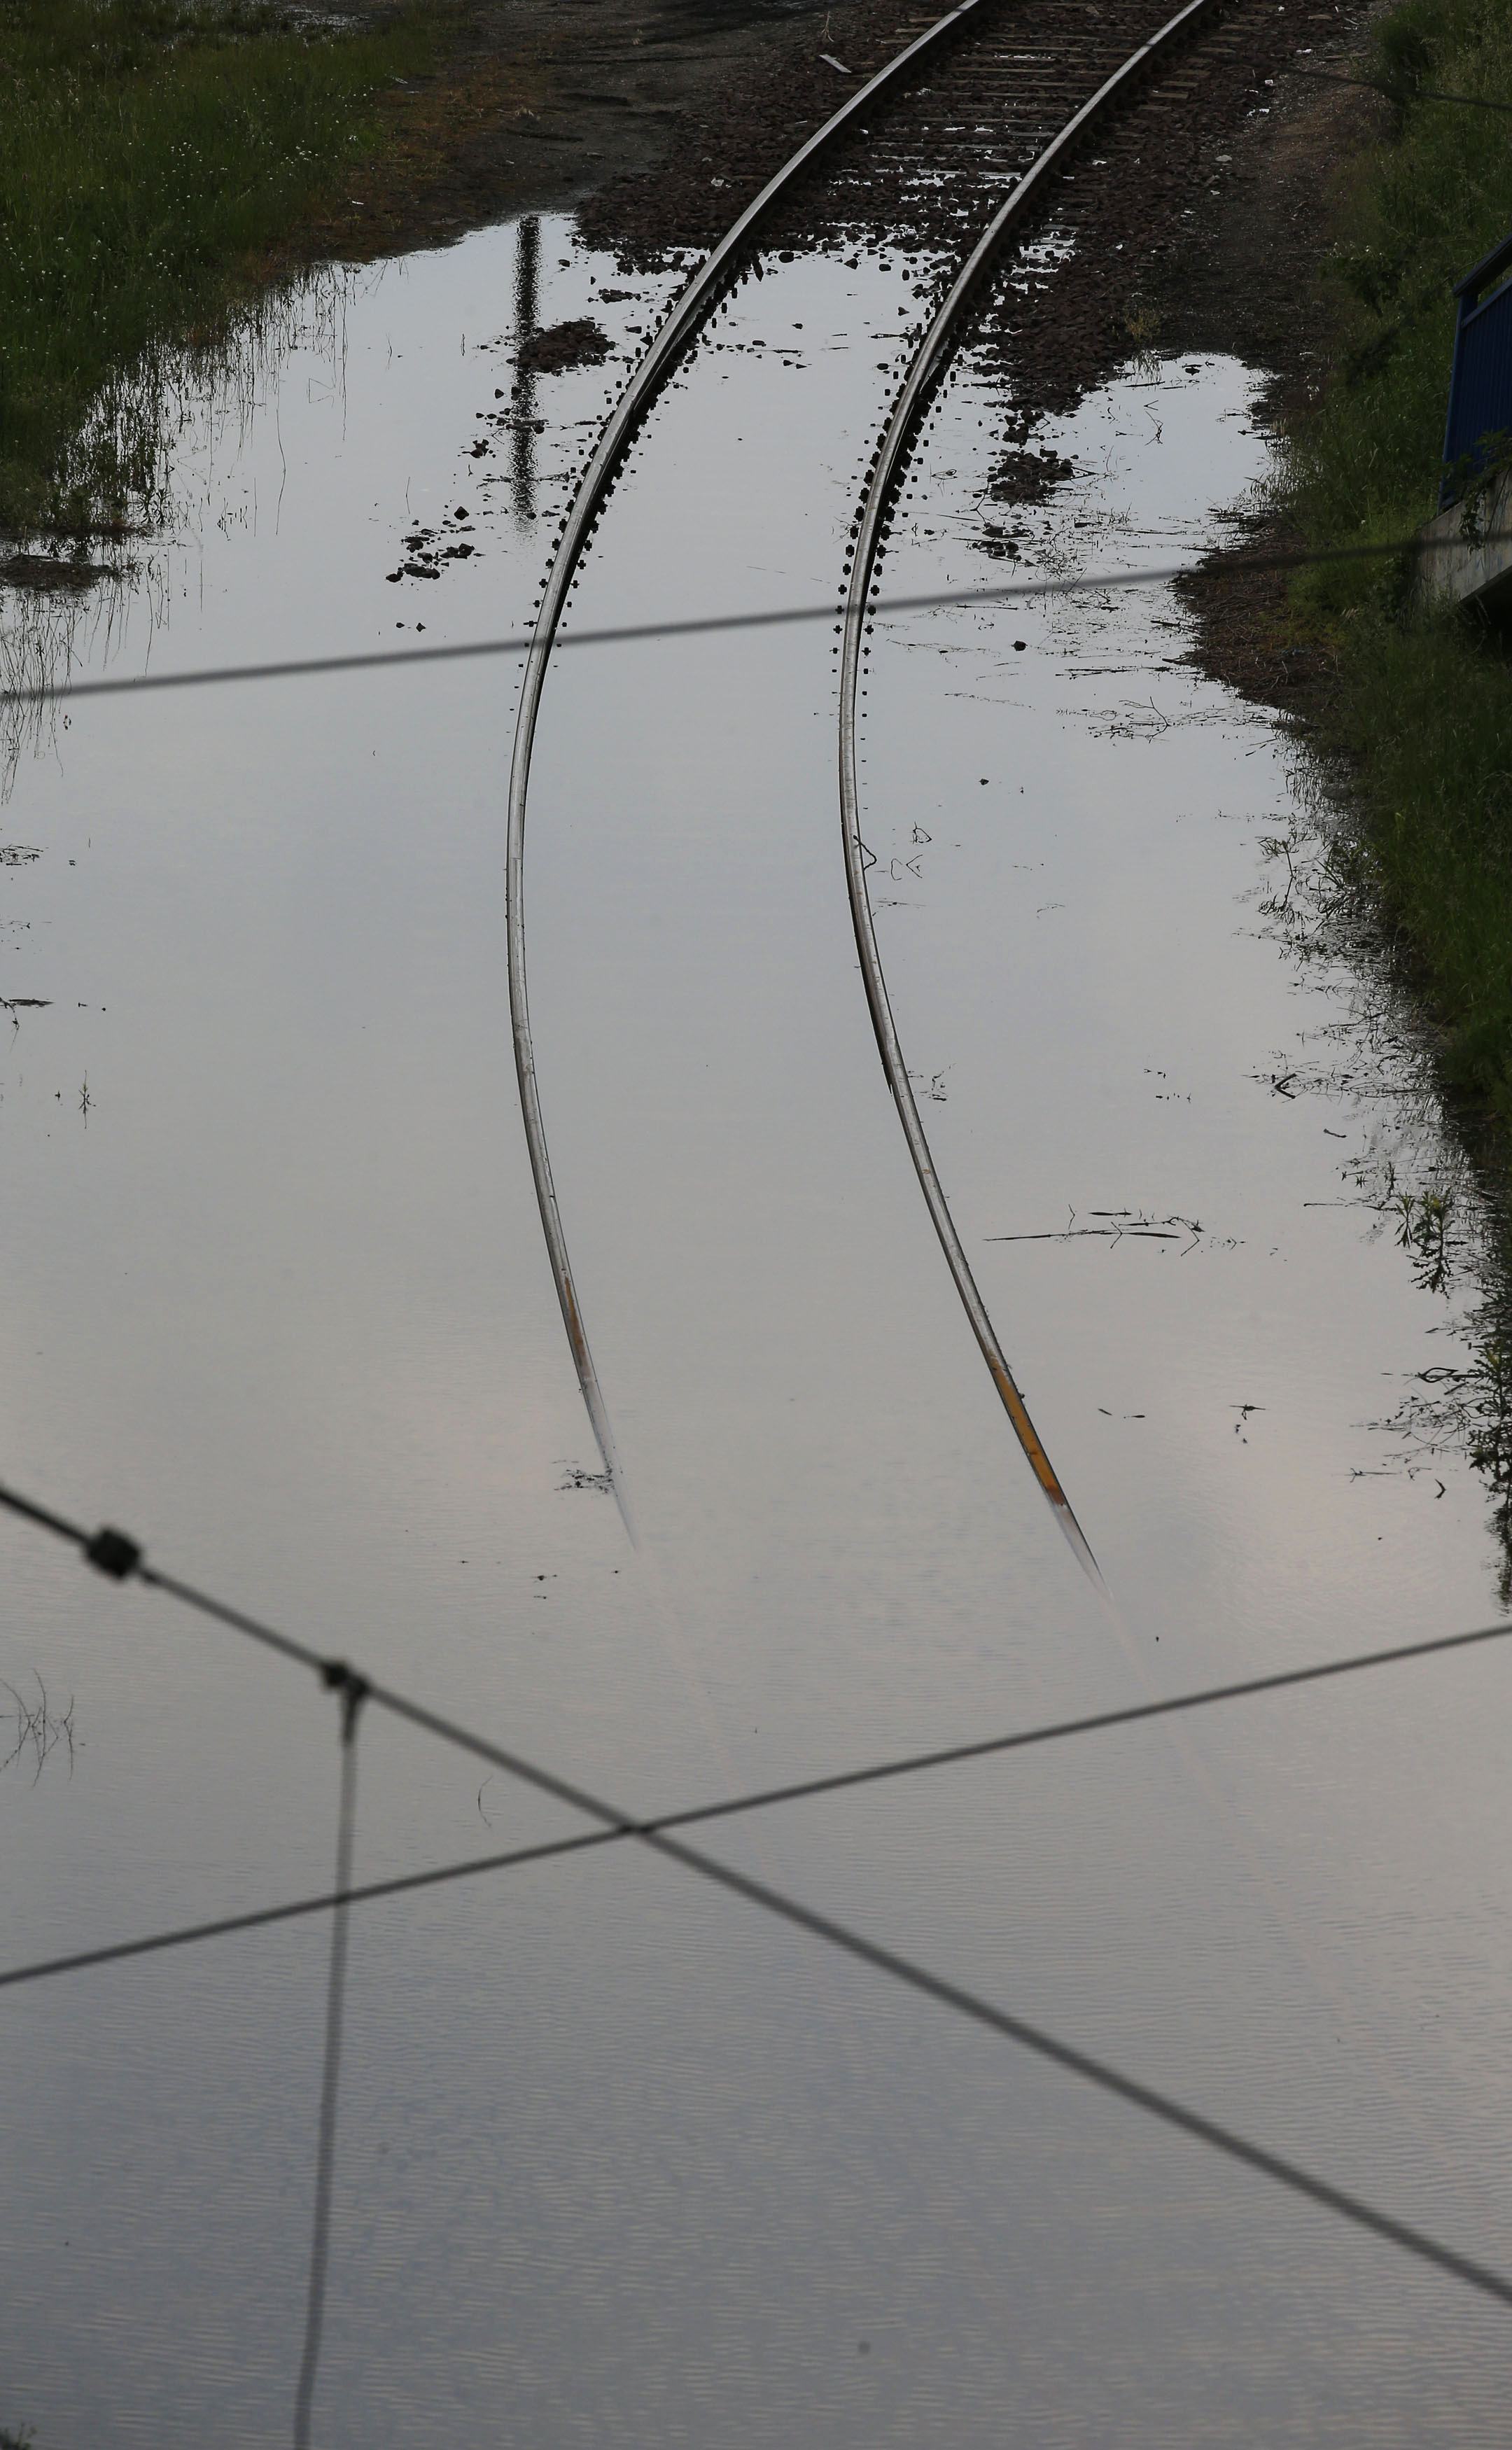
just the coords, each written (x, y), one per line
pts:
(55, 615)
(522, 421)
(173, 428)
(285, 1300)
(1420, 1174)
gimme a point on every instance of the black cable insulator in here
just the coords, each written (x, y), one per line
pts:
(113, 1553)
(353, 1689)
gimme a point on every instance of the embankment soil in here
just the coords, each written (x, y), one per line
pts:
(1376, 202)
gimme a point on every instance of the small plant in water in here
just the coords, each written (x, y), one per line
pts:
(39, 1729)
(1423, 1222)
(1142, 324)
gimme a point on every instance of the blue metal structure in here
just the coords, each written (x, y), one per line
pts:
(1480, 383)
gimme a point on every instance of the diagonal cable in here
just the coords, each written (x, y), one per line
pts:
(629, 633)
(353, 1694)
(119, 1557)
(835, 1783)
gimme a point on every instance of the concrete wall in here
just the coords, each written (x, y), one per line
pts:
(1467, 571)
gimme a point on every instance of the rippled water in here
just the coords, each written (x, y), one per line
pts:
(620, 2161)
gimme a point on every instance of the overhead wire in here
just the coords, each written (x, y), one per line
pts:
(711, 624)
(352, 1699)
(121, 1558)
(730, 1807)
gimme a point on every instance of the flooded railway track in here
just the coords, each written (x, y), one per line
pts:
(996, 96)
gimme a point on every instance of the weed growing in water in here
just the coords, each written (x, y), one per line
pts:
(1415, 883)
(157, 153)
(1422, 710)
(34, 1731)
(1401, 1166)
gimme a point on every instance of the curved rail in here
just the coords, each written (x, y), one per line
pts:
(687, 314)
(934, 349)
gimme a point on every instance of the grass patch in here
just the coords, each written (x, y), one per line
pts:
(1423, 708)
(157, 155)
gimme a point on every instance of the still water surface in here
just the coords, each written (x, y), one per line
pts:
(619, 2162)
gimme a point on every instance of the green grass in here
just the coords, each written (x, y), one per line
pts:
(1422, 708)
(155, 155)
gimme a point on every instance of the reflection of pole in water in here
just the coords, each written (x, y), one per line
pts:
(527, 270)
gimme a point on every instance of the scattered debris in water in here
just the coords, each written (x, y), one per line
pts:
(580, 342)
(1117, 1225)
(578, 1478)
(1029, 476)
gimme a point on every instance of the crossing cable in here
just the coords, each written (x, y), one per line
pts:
(115, 1554)
(353, 1693)
(729, 1807)
(705, 625)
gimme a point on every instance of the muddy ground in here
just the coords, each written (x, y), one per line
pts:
(657, 119)
(1208, 231)
(542, 102)
(1254, 278)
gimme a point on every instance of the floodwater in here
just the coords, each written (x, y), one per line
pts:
(621, 2161)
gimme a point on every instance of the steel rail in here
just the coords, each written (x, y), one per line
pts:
(681, 324)
(939, 341)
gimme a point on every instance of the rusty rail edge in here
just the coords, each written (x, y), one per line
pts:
(934, 350)
(658, 360)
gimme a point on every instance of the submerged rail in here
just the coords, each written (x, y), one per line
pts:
(937, 345)
(681, 324)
